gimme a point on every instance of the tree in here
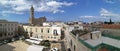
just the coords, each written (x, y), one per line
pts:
(22, 32)
(45, 43)
(25, 34)
(110, 21)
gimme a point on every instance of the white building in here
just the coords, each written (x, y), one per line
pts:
(96, 34)
(46, 24)
(53, 24)
(44, 32)
(73, 27)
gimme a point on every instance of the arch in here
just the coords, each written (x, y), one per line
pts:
(55, 32)
(74, 48)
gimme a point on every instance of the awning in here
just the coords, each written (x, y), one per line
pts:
(35, 48)
(36, 38)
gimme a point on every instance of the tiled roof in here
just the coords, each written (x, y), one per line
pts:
(111, 26)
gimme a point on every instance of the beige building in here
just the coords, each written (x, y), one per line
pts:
(8, 29)
(77, 42)
(72, 43)
(44, 32)
(91, 41)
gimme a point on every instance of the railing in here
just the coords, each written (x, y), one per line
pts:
(100, 45)
(84, 43)
(111, 36)
(109, 47)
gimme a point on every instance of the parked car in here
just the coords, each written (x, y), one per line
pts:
(5, 41)
(54, 49)
(1, 43)
(13, 39)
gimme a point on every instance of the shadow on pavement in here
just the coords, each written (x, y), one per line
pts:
(7, 47)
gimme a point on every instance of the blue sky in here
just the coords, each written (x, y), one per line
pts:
(61, 10)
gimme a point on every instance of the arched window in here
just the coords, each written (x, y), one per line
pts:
(41, 36)
(26, 29)
(0, 34)
(91, 35)
(69, 49)
(36, 29)
(48, 30)
(36, 36)
(55, 32)
(41, 30)
(30, 29)
(5, 34)
(71, 42)
(31, 34)
(74, 47)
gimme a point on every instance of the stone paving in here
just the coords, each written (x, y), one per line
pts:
(14, 46)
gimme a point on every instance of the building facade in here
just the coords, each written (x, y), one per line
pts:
(91, 41)
(72, 43)
(8, 29)
(52, 33)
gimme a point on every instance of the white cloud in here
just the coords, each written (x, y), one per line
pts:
(87, 16)
(52, 6)
(104, 16)
(106, 13)
(55, 3)
(4, 12)
(40, 5)
(110, 1)
(92, 17)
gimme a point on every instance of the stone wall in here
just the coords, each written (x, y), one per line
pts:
(115, 32)
(74, 44)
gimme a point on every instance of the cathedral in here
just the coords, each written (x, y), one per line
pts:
(35, 21)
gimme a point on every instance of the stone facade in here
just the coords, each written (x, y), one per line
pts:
(95, 35)
(51, 33)
(73, 44)
(8, 29)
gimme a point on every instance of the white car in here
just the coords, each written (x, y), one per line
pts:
(54, 49)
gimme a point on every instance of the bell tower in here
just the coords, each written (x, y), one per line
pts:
(31, 20)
